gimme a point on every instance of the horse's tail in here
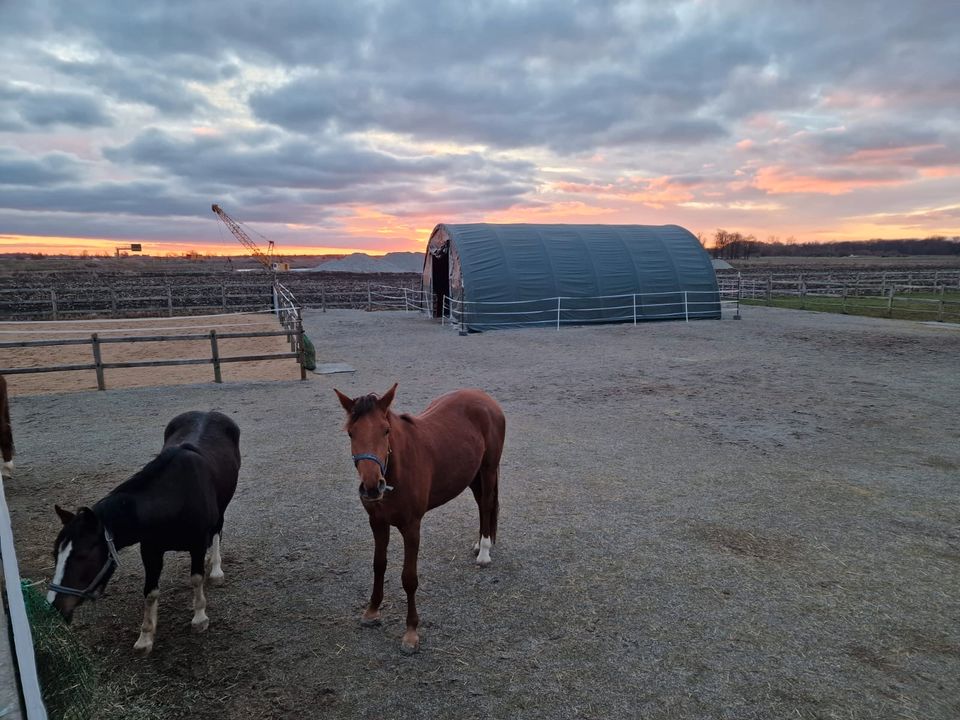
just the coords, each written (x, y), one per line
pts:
(494, 514)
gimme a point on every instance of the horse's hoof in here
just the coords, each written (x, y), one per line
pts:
(143, 648)
(201, 626)
(410, 643)
(371, 620)
(476, 548)
(217, 580)
(484, 562)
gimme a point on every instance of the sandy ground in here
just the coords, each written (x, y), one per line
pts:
(57, 382)
(752, 519)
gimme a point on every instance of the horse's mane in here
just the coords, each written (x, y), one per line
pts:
(151, 469)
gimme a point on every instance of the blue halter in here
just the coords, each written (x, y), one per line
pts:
(382, 465)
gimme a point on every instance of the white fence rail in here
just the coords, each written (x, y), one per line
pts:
(22, 637)
(567, 310)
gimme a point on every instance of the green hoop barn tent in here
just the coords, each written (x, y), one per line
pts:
(486, 276)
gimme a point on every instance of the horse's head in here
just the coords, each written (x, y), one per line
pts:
(85, 560)
(368, 426)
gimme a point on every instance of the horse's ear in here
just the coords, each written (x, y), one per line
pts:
(347, 403)
(384, 402)
(65, 515)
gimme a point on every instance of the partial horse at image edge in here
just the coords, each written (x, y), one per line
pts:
(409, 465)
(6, 430)
(175, 503)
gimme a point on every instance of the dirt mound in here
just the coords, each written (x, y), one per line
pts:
(397, 262)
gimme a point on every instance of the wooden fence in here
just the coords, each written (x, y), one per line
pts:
(216, 360)
(285, 308)
(128, 299)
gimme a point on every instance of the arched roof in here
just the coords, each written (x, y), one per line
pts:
(522, 262)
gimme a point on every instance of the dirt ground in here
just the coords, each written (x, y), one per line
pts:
(753, 519)
(57, 382)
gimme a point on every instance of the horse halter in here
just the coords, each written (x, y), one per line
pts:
(383, 466)
(89, 593)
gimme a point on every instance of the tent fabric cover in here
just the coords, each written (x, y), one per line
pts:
(532, 265)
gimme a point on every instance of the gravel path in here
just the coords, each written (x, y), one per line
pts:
(752, 519)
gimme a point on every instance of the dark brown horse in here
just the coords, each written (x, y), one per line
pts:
(6, 433)
(411, 464)
(175, 503)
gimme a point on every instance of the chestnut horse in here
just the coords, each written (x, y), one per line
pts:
(6, 434)
(411, 464)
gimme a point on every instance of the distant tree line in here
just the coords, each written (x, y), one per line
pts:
(733, 245)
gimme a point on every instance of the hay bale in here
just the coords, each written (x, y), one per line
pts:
(68, 676)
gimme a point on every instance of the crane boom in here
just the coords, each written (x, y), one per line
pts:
(265, 259)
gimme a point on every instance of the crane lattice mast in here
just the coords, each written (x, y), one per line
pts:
(265, 259)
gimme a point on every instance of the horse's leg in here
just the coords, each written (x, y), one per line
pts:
(6, 440)
(152, 566)
(477, 487)
(381, 538)
(200, 621)
(216, 571)
(410, 642)
(489, 507)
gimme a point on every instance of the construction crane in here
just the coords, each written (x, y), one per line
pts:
(265, 259)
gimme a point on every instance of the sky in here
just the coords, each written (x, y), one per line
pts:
(360, 125)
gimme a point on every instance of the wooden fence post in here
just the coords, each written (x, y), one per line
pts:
(101, 383)
(113, 302)
(769, 289)
(53, 304)
(940, 310)
(890, 304)
(215, 352)
(843, 299)
(323, 298)
(369, 299)
(223, 297)
(301, 349)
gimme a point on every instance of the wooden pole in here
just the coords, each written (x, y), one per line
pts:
(301, 350)
(215, 353)
(53, 304)
(101, 382)
(169, 302)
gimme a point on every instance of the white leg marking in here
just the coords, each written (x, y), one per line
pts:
(216, 571)
(148, 630)
(200, 620)
(483, 557)
(61, 568)
(8, 468)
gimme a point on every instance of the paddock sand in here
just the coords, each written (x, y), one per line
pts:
(79, 380)
(753, 519)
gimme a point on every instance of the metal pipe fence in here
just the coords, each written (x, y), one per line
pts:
(886, 299)
(576, 310)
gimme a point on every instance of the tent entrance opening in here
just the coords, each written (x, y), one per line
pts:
(440, 274)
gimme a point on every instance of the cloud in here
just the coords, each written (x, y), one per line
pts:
(23, 108)
(374, 116)
(21, 169)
